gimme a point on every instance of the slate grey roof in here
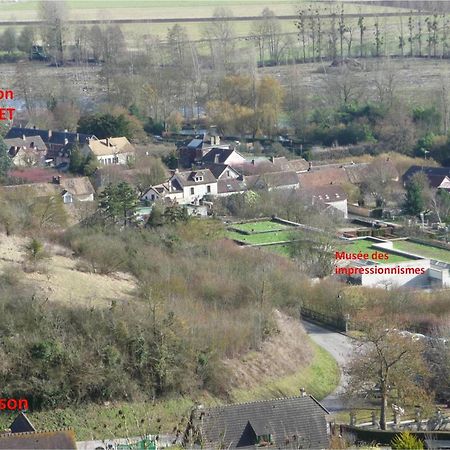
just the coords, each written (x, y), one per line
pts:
(298, 421)
(48, 136)
(187, 177)
(21, 424)
(195, 143)
(29, 142)
(435, 175)
(222, 155)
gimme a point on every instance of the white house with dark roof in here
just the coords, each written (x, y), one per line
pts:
(184, 187)
(223, 155)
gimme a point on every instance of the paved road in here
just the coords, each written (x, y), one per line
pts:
(341, 348)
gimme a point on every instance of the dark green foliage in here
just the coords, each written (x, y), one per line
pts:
(82, 165)
(415, 201)
(105, 125)
(427, 117)
(171, 160)
(424, 145)
(153, 127)
(156, 218)
(174, 214)
(118, 201)
(5, 160)
(8, 40)
(68, 356)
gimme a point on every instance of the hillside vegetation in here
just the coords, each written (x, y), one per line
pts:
(171, 336)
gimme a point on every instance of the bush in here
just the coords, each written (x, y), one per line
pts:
(406, 441)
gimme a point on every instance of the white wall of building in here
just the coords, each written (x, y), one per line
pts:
(197, 192)
(395, 280)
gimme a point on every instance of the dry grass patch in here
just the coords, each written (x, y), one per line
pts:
(62, 282)
(282, 354)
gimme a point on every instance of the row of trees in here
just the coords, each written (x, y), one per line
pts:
(322, 33)
(331, 34)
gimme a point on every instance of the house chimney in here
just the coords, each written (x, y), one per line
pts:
(216, 158)
(49, 134)
(303, 392)
(213, 140)
(107, 142)
(66, 141)
(78, 137)
(57, 179)
(272, 159)
(24, 137)
(253, 162)
(309, 166)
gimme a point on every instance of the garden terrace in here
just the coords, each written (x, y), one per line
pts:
(369, 246)
(424, 250)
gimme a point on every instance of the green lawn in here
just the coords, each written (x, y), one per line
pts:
(260, 227)
(319, 379)
(261, 238)
(426, 251)
(365, 246)
(279, 249)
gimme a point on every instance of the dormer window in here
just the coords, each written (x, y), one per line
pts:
(198, 178)
(264, 440)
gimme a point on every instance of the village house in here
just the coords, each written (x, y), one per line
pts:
(58, 143)
(71, 190)
(109, 151)
(330, 195)
(438, 177)
(295, 422)
(27, 151)
(200, 152)
(184, 187)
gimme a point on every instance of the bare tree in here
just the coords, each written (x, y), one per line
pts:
(54, 16)
(411, 36)
(220, 33)
(362, 28)
(301, 25)
(390, 362)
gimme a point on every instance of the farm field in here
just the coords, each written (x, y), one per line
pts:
(27, 10)
(426, 251)
(366, 246)
(418, 80)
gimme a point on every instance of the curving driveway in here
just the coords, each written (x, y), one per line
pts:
(341, 348)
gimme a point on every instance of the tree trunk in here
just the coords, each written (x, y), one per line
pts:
(383, 410)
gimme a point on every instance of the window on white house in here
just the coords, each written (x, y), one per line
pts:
(208, 189)
(192, 191)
